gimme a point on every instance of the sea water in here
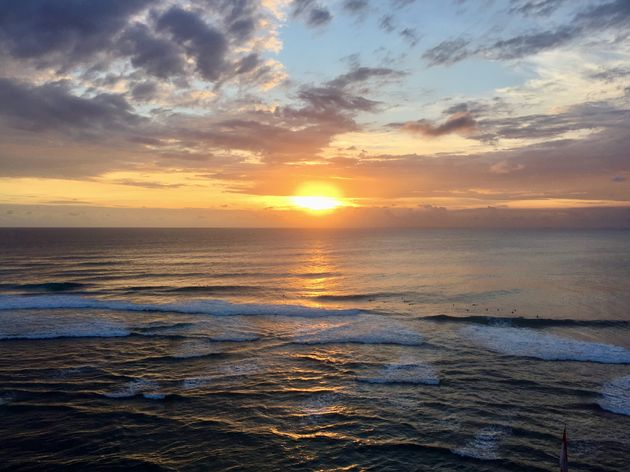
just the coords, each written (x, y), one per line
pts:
(242, 349)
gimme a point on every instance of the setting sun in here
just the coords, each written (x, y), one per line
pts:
(317, 197)
(315, 203)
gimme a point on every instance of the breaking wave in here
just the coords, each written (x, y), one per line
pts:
(369, 330)
(526, 342)
(616, 396)
(209, 307)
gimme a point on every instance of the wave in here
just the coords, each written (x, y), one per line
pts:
(520, 321)
(357, 296)
(525, 342)
(369, 330)
(616, 396)
(148, 389)
(201, 307)
(485, 444)
(46, 287)
(405, 371)
(92, 329)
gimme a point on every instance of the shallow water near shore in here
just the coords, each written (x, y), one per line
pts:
(314, 349)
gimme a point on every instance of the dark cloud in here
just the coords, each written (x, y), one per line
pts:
(69, 31)
(448, 52)
(144, 91)
(539, 8)
(613, 15)
(386, 23)
(157, 56)
(356, 7)
(527, 44)
(52, 106)
(618, 178)
(410, 35)
(611, 74)
(318, 16)
(331, 98)
(312, 12)
(206, 45)
(586, 116)
(461, 122)
(362, 74)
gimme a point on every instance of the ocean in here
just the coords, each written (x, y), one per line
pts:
(313, 350)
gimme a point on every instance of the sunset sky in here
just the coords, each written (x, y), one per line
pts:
(314, 112)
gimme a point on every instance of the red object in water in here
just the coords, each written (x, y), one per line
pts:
(564, 454)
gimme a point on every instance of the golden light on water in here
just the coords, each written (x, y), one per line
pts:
(317, 197)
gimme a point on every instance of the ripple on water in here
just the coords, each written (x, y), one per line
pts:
(405, 371)
(148, 388)
(485, 445)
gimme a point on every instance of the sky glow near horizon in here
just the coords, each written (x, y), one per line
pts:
(228, 108)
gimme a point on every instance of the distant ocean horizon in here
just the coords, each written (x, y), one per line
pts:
(314, 349)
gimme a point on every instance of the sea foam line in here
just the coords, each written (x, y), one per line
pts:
(525, 342)
(203, 307)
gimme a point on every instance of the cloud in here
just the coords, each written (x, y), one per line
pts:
(51, 106)
(363, 74)
(157, 56)
(357, 7)
(535, 8)
(612, 15)
(144, 91)
(206, 45)
(70, 31)
(588, 116)
(313, 13)
(448, 52)
(386, 23)
(410, 35)
(146, 184)
(461, 123)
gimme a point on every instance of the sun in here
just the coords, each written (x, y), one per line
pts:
(317, 197)
(315, 203)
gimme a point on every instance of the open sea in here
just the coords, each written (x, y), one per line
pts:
(314, 350)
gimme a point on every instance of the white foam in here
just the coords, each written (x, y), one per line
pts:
(485, 444)
(136, 387)
(366, 330)
(616, 396)
(405, 371)
(532, 343)
(209, 307)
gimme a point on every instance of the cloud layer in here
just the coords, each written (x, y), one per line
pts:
(247, 99)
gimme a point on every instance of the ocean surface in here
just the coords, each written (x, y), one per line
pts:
(340, 350)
